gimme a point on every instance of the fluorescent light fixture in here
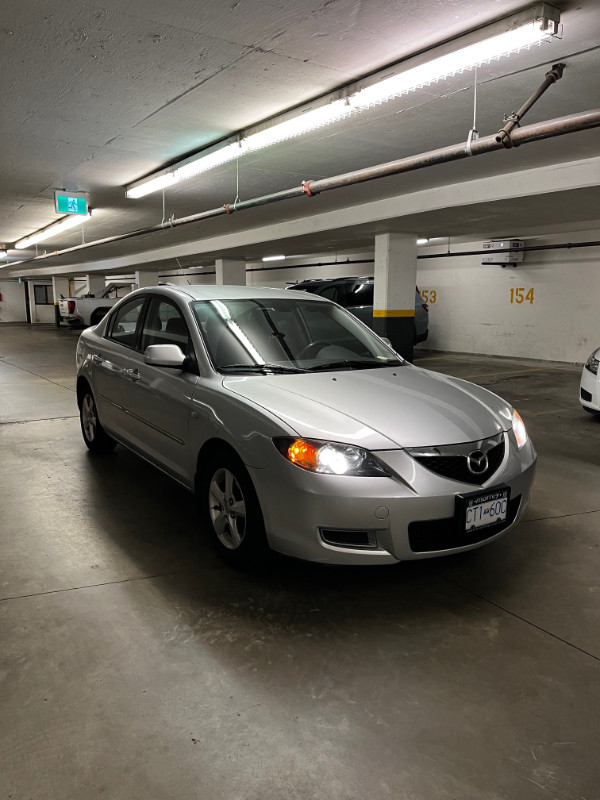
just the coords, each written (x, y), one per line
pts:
(462, 60)
(274, 258)
(151, 185)
(52, 230)
(422, 241)
(528, 28)
(309, 121)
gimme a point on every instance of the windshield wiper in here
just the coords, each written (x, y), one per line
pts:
(357, 364)
(263, 368)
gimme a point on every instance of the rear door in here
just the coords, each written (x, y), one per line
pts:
(359, 301)
(115, 360)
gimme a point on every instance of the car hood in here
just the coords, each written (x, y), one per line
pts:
(378, 408)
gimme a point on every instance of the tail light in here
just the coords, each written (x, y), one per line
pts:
(71, 306)
(425, 306)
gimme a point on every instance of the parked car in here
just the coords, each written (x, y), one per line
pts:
(589, 390)
(87, 309)
(356, 294)
(299, 429)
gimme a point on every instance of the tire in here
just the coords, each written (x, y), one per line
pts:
(94, 435)
(231, 513)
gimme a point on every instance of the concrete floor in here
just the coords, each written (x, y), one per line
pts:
(135, 666)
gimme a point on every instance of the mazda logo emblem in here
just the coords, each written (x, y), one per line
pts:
(477, 462)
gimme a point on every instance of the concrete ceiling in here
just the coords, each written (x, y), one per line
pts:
(95, 97)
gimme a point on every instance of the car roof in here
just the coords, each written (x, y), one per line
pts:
(322, 281)
(224, 292)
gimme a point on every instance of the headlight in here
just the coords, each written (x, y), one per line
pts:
(519, 429)
(592, 363)
(329, 458)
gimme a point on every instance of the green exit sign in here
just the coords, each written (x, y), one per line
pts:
(70, 202)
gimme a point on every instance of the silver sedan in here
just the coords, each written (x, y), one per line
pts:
(300, 430)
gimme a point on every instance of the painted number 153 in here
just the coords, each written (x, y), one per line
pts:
(519, 296)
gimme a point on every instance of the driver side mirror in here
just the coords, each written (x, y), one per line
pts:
(164, 355)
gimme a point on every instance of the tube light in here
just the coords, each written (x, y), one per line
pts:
(274, 258)
(422, 241)
(462, 60)
(52, 230)
(522, 36)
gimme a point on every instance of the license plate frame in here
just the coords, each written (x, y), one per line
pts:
(474, 508)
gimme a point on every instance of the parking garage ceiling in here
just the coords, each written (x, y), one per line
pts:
(95, 97)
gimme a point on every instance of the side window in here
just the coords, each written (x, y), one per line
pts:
(124, 323)
(165, 325)
(335, 293)
(330, 292)
(361, 295)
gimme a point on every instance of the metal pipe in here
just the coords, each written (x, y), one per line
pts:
(514, 119)
(538, 131)
(535, 132)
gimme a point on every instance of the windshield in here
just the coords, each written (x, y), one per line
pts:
(282, 335)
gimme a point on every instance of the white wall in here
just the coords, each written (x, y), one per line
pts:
(473, 312)
(12, 305)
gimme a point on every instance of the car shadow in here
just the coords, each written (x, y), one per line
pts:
(153, 522)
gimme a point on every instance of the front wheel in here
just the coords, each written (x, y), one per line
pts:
(231, 511)
(94, 435)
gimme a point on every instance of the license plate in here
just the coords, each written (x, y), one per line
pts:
(485, 510)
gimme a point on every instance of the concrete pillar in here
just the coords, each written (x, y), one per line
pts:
(394, 296)
(59, 286)
(230, 271)
(146, 279)
(95, 284)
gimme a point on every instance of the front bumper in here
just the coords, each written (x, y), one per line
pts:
(589, 390)
(299, 505)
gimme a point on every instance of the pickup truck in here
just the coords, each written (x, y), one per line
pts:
(88, 309)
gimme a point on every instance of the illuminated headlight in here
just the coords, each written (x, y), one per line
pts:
(519, 429)
(592, 363)
(330, 458)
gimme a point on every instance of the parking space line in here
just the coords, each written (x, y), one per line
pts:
(515, 372)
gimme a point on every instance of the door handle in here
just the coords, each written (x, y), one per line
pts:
(97, 358)
(134, 374)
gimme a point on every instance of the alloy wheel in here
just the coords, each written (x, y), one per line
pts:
(227, 508)
(89, 419)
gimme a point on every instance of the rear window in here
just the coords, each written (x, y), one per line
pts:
(360, 295)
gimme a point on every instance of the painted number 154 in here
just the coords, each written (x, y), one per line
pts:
(519, 296)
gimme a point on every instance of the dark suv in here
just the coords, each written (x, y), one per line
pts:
(356, 294)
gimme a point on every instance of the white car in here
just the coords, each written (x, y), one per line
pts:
(589, 391)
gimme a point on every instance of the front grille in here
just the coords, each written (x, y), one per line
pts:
(444, 534)
(586, 396)
(455, 467)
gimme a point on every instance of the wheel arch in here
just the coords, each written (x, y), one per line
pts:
(98, 314)
(209, 449)
(82, 385)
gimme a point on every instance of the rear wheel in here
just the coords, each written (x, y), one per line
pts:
(94, 434)
(231, 511)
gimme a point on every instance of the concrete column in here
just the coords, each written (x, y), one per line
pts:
(59, 286)
(230, 271)
(394, 296)
(146, 279)
(95, 284)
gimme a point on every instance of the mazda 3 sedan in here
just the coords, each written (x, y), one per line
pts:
(300, 430)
